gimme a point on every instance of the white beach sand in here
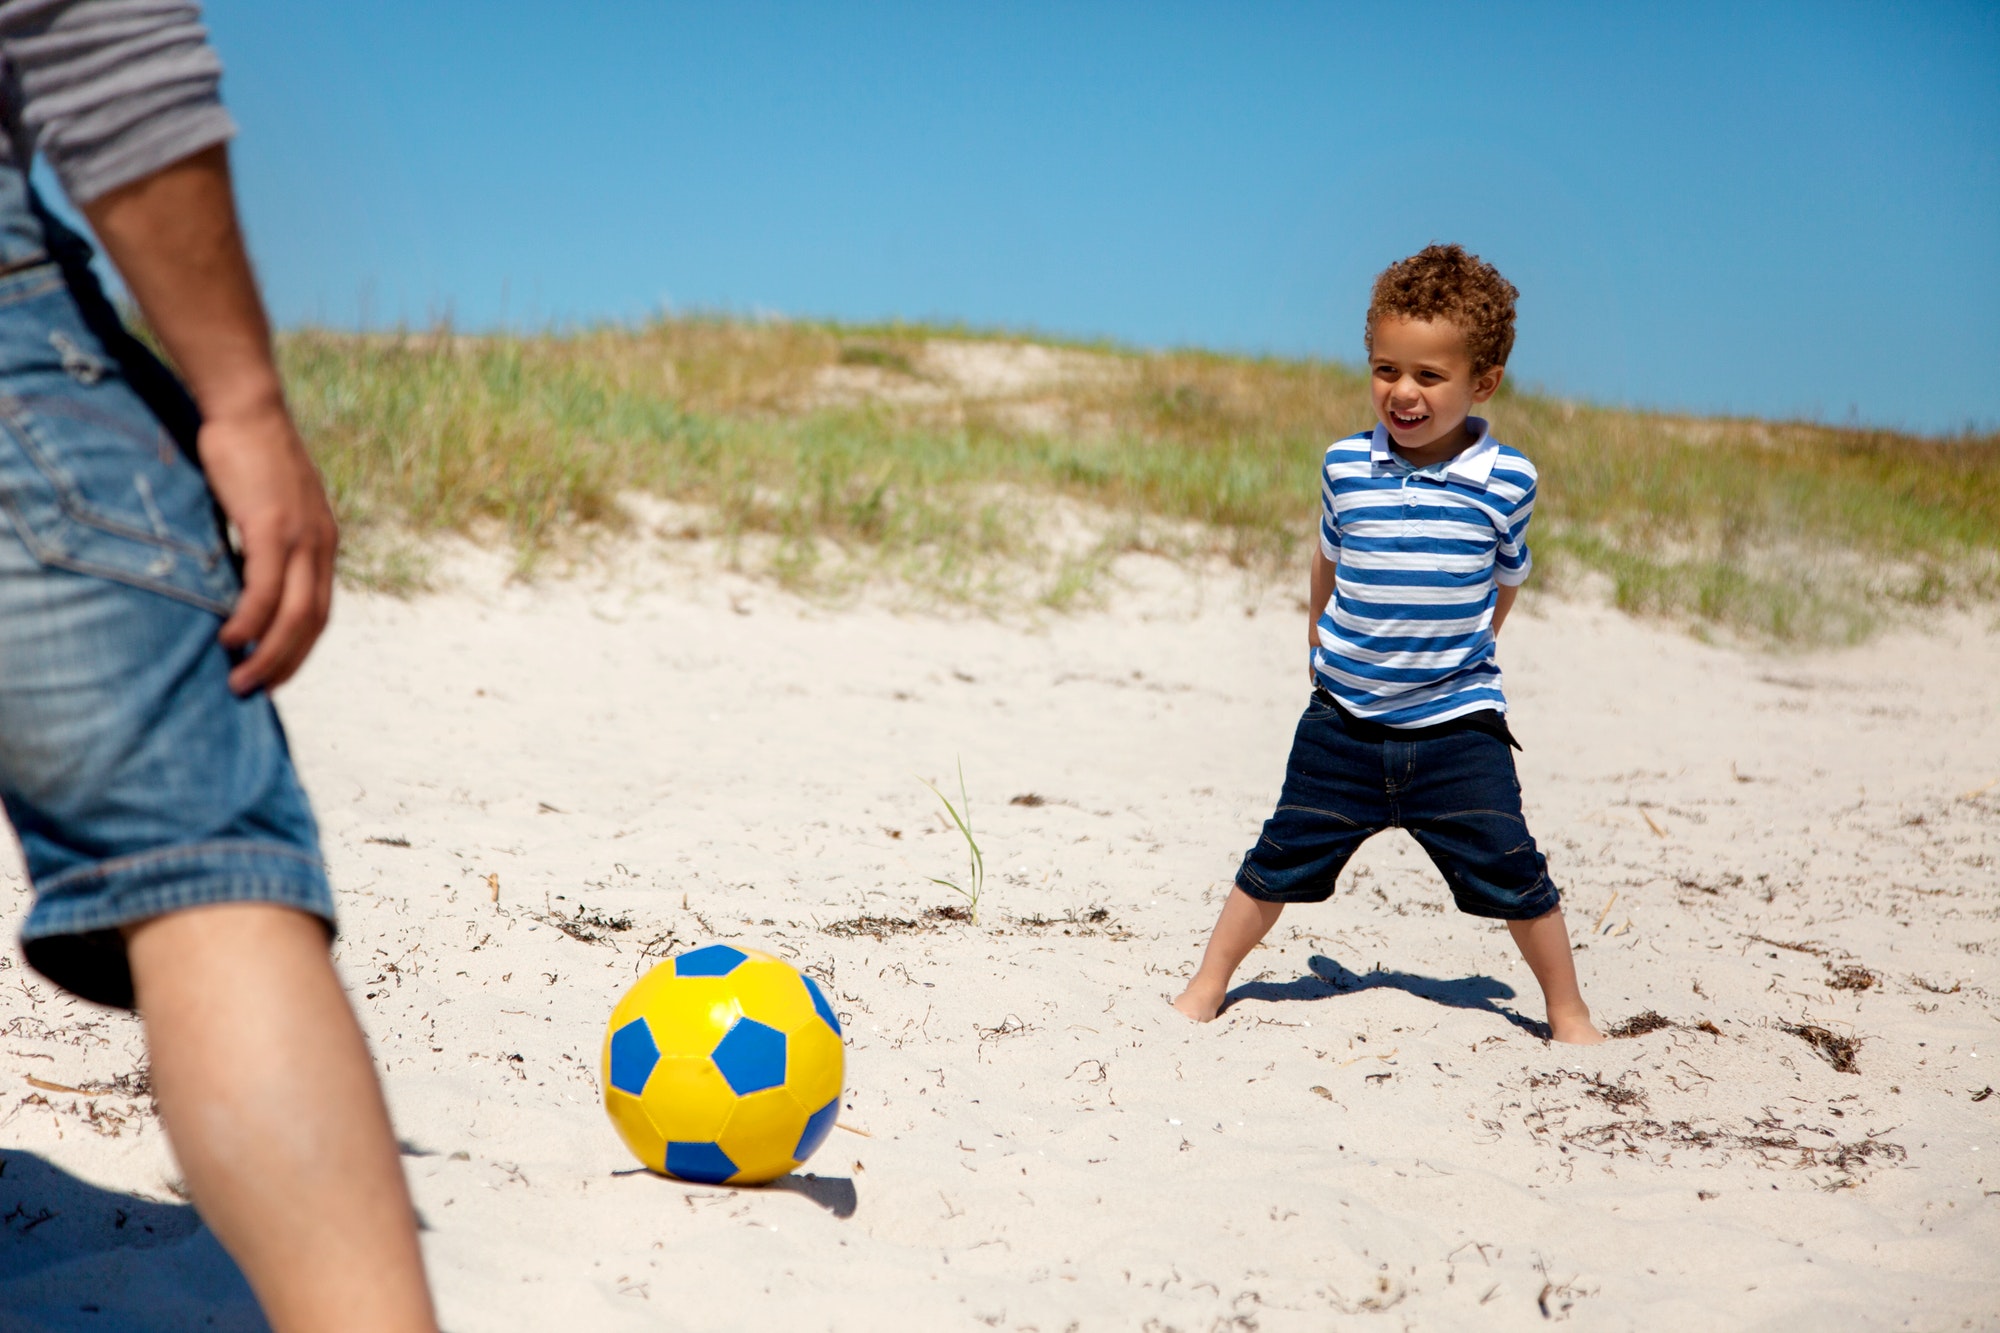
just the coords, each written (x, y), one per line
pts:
(1372, 1136)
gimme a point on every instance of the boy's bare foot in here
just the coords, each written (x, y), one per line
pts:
(1199, 1003)
(1574, 1029)
(1244, 921)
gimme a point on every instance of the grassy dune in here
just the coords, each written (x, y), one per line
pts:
(987, 468)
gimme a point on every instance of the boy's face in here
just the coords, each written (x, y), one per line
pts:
(1422, 384)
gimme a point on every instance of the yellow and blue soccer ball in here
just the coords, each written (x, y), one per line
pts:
(723, 1066)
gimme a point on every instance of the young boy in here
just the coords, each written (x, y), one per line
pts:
(1422, 549)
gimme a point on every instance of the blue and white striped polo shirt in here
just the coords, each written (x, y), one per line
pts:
(1407, 640)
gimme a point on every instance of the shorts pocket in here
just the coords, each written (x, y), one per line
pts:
(89, 479)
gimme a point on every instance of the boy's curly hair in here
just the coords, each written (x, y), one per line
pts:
(1444, 283)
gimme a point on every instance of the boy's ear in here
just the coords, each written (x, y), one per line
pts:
(1487, 383)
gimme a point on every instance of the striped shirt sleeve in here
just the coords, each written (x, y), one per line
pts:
(1329, 510)
(1512, 561)
(112, 89)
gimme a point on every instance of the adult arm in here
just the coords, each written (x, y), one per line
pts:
(174, 238)
(121, 97)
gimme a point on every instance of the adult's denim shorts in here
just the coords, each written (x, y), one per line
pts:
(136, 782)
(1456, 793)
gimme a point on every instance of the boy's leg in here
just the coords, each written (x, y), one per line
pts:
(1544, 942)
(1332, 801)
(1462, 803)
(269, 1098)
(1243, 923)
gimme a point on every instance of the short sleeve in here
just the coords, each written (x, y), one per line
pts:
(1512, 561)
(1329, 522)
(113, 90)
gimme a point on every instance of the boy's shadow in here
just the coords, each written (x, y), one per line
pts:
(1326, 978)
(73, 1254)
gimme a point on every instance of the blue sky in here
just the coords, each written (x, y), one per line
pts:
(1780, 209)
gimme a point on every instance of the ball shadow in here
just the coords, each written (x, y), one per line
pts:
(834, 1193)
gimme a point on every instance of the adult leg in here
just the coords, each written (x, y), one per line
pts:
(174, 853)
(172, 850)
(269, 1098)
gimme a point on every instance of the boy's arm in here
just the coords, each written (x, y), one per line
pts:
(1324, 567)
(1503, 602)
(1323, 572)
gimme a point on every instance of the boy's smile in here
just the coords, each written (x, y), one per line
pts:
(1423, 386)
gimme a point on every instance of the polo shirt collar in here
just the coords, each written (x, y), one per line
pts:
(1472, 464)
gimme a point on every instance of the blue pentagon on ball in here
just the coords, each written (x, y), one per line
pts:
(751, 1057)
(818, 1125)
(820, 1006)
(633, 1056)
(717, 960)
(703, 1163)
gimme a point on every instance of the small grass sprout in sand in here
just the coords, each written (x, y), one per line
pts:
(975, 883)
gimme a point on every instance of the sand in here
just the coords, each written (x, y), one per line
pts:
(1751, 846)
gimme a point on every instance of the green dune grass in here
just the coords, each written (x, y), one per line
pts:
(822, 455)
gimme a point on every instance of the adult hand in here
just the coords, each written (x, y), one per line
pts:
(267, 485)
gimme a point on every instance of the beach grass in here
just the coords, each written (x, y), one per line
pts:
(987, 468)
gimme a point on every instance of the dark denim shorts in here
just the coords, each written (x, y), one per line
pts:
(1456, 793)
(136, 782)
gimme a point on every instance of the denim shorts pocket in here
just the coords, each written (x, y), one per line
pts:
(89, 479)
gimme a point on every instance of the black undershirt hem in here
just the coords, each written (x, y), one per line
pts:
(1489, 720)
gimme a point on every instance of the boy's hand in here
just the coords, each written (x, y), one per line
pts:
(259, 471)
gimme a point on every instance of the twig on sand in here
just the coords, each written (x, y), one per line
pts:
(1611, 902)
(1390, 1055)
(1809, 946)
